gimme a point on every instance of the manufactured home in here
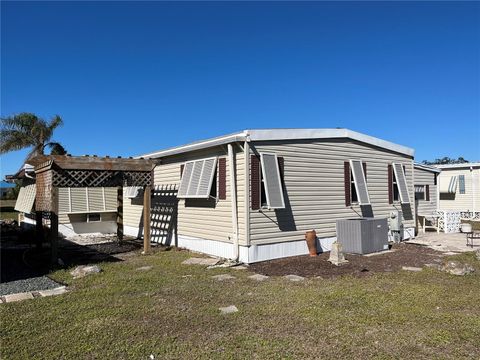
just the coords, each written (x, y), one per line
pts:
(252, 195)
(426, 195)
(459, 187)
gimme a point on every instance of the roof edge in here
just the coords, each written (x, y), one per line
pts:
(282, 134)
(427, 168)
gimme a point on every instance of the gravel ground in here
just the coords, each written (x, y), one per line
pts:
(25, 285)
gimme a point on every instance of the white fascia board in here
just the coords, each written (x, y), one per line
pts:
(426, 168)
(292, 134)
(458, 166)
(282, 134)
(222, 140)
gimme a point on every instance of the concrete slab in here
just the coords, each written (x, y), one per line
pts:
(57, 291)
(294, 277)
(200, 261)
(144, 268)
(228, 310)
(411, 268)
(223, 277)
(258, 277)
(18, 297)
(456, 242)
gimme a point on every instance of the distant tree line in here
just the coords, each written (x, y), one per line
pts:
(445, 160)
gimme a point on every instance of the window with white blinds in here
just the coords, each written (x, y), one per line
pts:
(272, 181)
(197, 179)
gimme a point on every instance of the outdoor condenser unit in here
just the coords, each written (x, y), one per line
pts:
(395, 222)
(363, 235)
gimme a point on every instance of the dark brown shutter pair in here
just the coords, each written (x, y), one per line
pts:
(390, 184)
(427, 192)
(347, 177)
(256, 178)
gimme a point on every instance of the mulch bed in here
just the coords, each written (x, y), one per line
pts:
(358, 265)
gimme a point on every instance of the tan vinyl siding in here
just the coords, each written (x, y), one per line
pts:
(425, 177)
(315, 194)
(213, 223)
(470, 201)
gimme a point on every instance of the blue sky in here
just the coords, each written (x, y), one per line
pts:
(130, 78)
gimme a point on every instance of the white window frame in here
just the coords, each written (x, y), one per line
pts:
(212, 176)
(424, 192)
(356, 183)
(264, 180)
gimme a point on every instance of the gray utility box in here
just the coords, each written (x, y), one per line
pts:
(363, 235)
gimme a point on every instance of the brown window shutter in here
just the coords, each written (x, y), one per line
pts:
(281, 167)
(181, 170)
(364, 164)
(390, 184)
(255, 187)
(222, 179)
(348, 183)
(427, 192)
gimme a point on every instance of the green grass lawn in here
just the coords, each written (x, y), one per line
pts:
(171, 311)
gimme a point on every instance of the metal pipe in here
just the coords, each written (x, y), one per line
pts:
(233, 193)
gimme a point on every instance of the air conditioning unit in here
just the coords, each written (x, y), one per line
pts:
(363, 235)
(395, 223)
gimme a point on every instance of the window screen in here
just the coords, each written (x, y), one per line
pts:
(197, 179)
(131, 192)
(419, 192)
(272, 181)
(401, 181)
(360, 182)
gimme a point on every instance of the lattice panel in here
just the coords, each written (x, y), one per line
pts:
(44, 191)
(449, 221)
(100, 178)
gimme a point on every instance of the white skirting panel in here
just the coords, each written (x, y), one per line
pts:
(72, 229)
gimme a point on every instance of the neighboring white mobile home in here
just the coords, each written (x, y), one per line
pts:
(426, 194)
(459, 187)
(253, 195)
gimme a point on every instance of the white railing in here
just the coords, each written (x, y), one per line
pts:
(449, 221)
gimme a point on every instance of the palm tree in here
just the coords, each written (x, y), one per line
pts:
(26, 130)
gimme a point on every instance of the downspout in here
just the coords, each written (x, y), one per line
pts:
(246, 152)
(472, 178)
(233, 192)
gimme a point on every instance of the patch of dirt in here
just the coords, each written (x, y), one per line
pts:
(358, 265)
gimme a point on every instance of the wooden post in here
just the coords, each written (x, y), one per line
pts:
(146, 219)
(54, 226)
(39, 229)
(120, 213)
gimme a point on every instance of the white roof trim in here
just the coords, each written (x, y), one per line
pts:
(282, 134)
(426, 168)
(458, 166)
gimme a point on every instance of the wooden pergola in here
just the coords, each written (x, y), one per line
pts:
(56, 171)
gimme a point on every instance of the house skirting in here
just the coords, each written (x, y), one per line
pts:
(253, 253)
(81, 228)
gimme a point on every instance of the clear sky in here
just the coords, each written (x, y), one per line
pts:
(129, 78)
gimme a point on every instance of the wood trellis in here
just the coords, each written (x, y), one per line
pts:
(56, 171)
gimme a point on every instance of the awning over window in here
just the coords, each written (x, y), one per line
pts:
(401, 183)
(131, 192)
(197, 179)
(419, 188)
(26, 198)
(360, 182)
(448, 185)
(272, 181)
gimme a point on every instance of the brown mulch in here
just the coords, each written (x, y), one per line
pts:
(358, 265)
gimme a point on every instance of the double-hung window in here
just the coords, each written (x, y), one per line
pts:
(271, 186)
(356, 189)
(400, 187)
